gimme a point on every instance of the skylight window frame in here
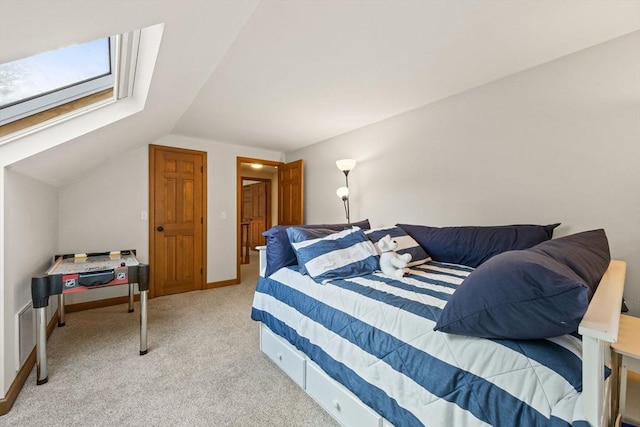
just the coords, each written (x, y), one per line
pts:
(55, 98)
(124, 51)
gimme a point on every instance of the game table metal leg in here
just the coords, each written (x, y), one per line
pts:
(143, 322)
(143, 287)
(41, 346)
(61, 321)
(41, 288)
(130, 297)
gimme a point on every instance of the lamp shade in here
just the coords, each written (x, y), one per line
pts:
(346, 164)
(342, 192)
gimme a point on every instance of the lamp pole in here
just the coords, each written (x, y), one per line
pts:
(346, 199)
(346, 166)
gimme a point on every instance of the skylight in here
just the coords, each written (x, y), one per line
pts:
(50, 79)
(129, 70)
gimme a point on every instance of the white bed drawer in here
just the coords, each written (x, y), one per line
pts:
(283, 354)
(338, 401)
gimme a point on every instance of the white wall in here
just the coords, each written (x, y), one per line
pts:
(102, 211)
(31, 238)
(556, 143)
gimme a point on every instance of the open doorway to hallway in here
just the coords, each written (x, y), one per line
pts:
(257, 204)
(256, 212)
(268, 193)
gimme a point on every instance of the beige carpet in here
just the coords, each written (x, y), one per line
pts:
(204, 368)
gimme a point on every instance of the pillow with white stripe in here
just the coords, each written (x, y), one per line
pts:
(295, 235)
(339, 255)
(406, 243)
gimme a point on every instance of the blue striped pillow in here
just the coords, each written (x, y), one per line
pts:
(339, 255)
(296, 235)
(406, 243)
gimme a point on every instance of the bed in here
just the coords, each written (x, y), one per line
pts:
(363, 344)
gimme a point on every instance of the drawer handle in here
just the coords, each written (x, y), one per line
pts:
(336, 405)
(280, 357)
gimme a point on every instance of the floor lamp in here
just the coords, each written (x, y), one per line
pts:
(346, 166)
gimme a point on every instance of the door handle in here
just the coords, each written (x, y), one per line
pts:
(160, 228)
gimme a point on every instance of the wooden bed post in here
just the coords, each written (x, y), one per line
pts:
(599, 328)
(593, 384)
(262, 250)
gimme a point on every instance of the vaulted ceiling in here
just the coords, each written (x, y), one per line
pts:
(281, 75)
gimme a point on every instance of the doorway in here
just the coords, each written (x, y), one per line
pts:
(255, 213)
(274, 187)
(177, 226)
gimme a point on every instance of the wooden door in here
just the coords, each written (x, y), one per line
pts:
(255, 211)
(258, 218)
(247, 204)
(291, 193)
(177, 240)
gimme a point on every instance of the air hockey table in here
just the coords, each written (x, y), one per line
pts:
(82, 272)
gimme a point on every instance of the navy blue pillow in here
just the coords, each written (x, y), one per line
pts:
(471, 245)
(279, 251)
(535, 293)
(586, 253)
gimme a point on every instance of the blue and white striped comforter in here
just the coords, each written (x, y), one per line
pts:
(375, 335)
